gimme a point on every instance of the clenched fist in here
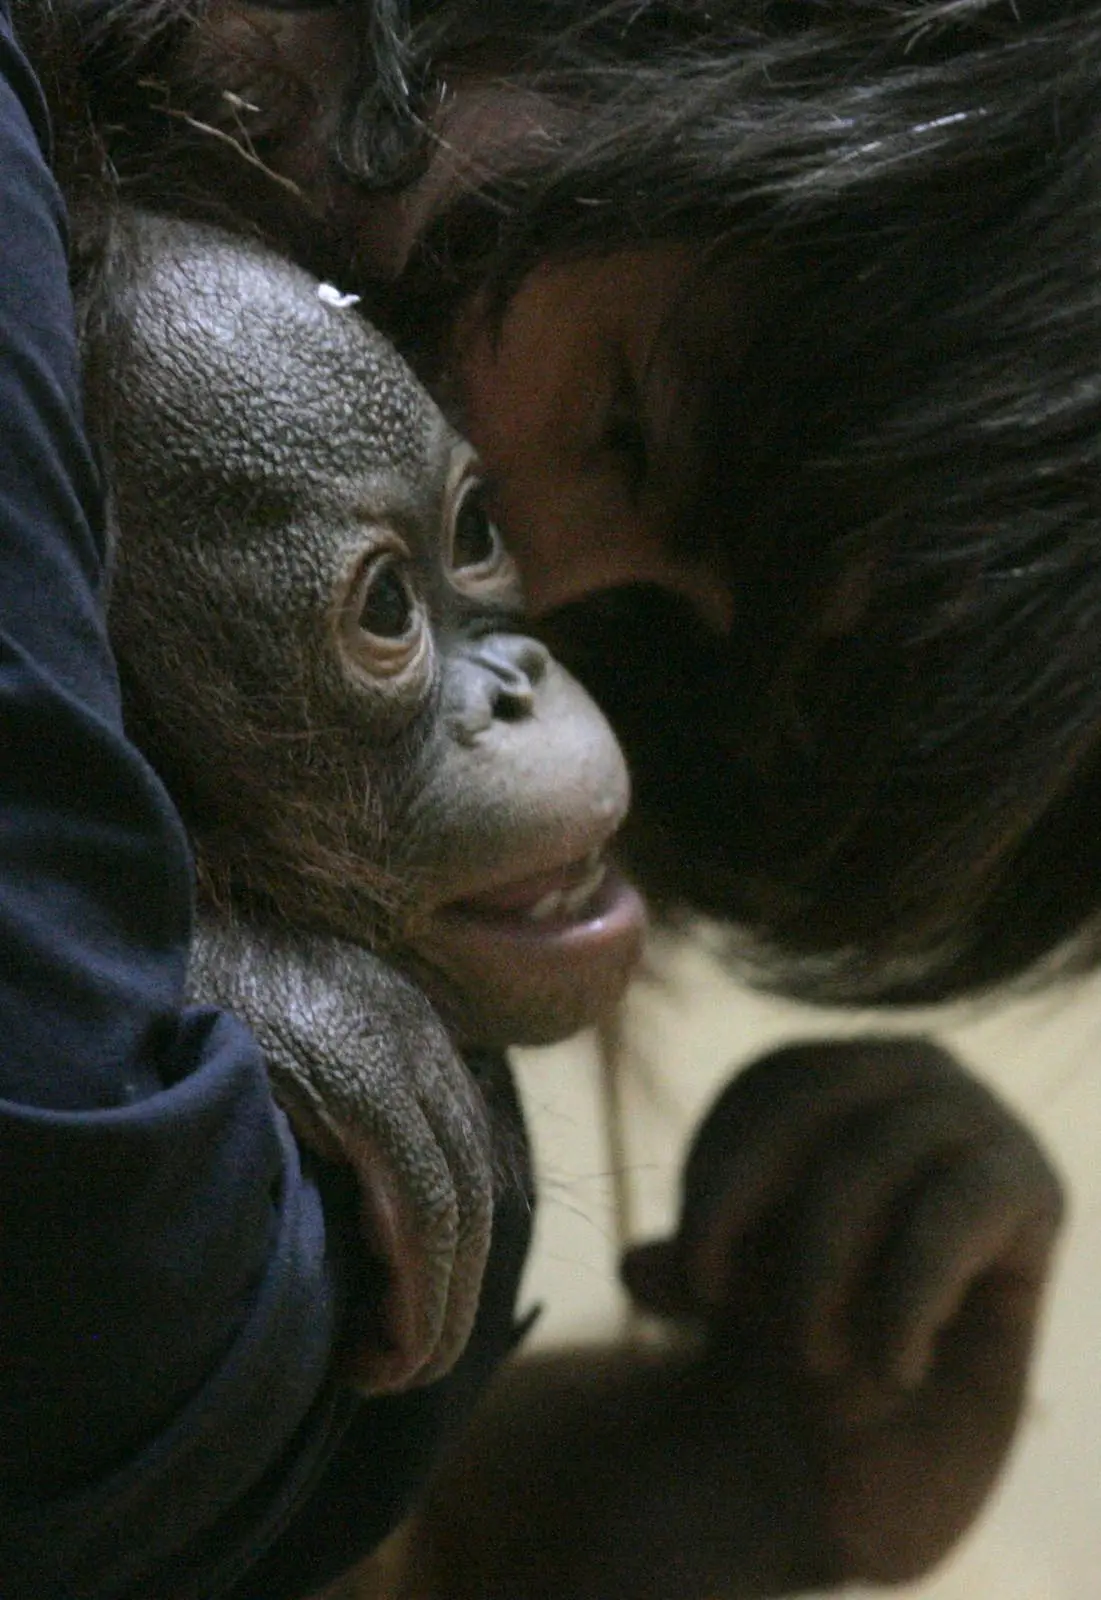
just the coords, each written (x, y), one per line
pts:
(869, 1218)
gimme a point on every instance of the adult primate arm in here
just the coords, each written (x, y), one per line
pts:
(852, 1293)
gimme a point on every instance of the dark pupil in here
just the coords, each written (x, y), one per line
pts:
(475, 536)
(387, 609)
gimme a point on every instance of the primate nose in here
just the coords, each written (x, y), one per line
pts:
(516, 666)
(495, 679)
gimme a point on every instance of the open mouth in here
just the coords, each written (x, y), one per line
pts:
(560, 897)
(542, 955)
(586, 901)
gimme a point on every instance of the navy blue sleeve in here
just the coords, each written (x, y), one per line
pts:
(171, 1282)
(168, 1303)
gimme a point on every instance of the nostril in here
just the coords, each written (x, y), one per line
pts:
(517, 666)
(534, 660)
(494, 678)
(511, 706)
(514, 696)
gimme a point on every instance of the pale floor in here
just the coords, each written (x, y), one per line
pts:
(1041, 1539)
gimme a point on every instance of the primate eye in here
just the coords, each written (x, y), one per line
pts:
(476, 559)
(382, 625)
(475, 541)
(387, 604)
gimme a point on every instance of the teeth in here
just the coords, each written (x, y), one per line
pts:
(574, 899)
(546, 906)
(566, 902)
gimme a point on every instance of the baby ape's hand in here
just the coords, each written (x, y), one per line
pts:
(370, 1080)
(869, 1216)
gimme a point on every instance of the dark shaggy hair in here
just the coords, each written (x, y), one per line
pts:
(889, 774)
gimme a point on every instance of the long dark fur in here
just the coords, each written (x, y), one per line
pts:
(890, 773)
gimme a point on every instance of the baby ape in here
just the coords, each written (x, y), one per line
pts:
(315, 624)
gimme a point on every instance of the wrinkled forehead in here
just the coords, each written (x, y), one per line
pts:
(255, 372)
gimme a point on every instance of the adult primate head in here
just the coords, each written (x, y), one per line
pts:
(777, 327)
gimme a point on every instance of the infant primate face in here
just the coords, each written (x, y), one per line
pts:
(318, 628)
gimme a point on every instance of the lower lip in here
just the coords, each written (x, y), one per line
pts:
(614, 912)
(510, 979)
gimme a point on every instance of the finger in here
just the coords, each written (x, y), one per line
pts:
(758, 1139)
(865, 1177)
(906, 1209)
(408, 1234)
(462, 1143)
(980, 1222)
(655, 1278)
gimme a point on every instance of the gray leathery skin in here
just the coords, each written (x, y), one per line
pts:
(267, 451)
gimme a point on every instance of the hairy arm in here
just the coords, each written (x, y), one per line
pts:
(625, 1474)
(855, 1284)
